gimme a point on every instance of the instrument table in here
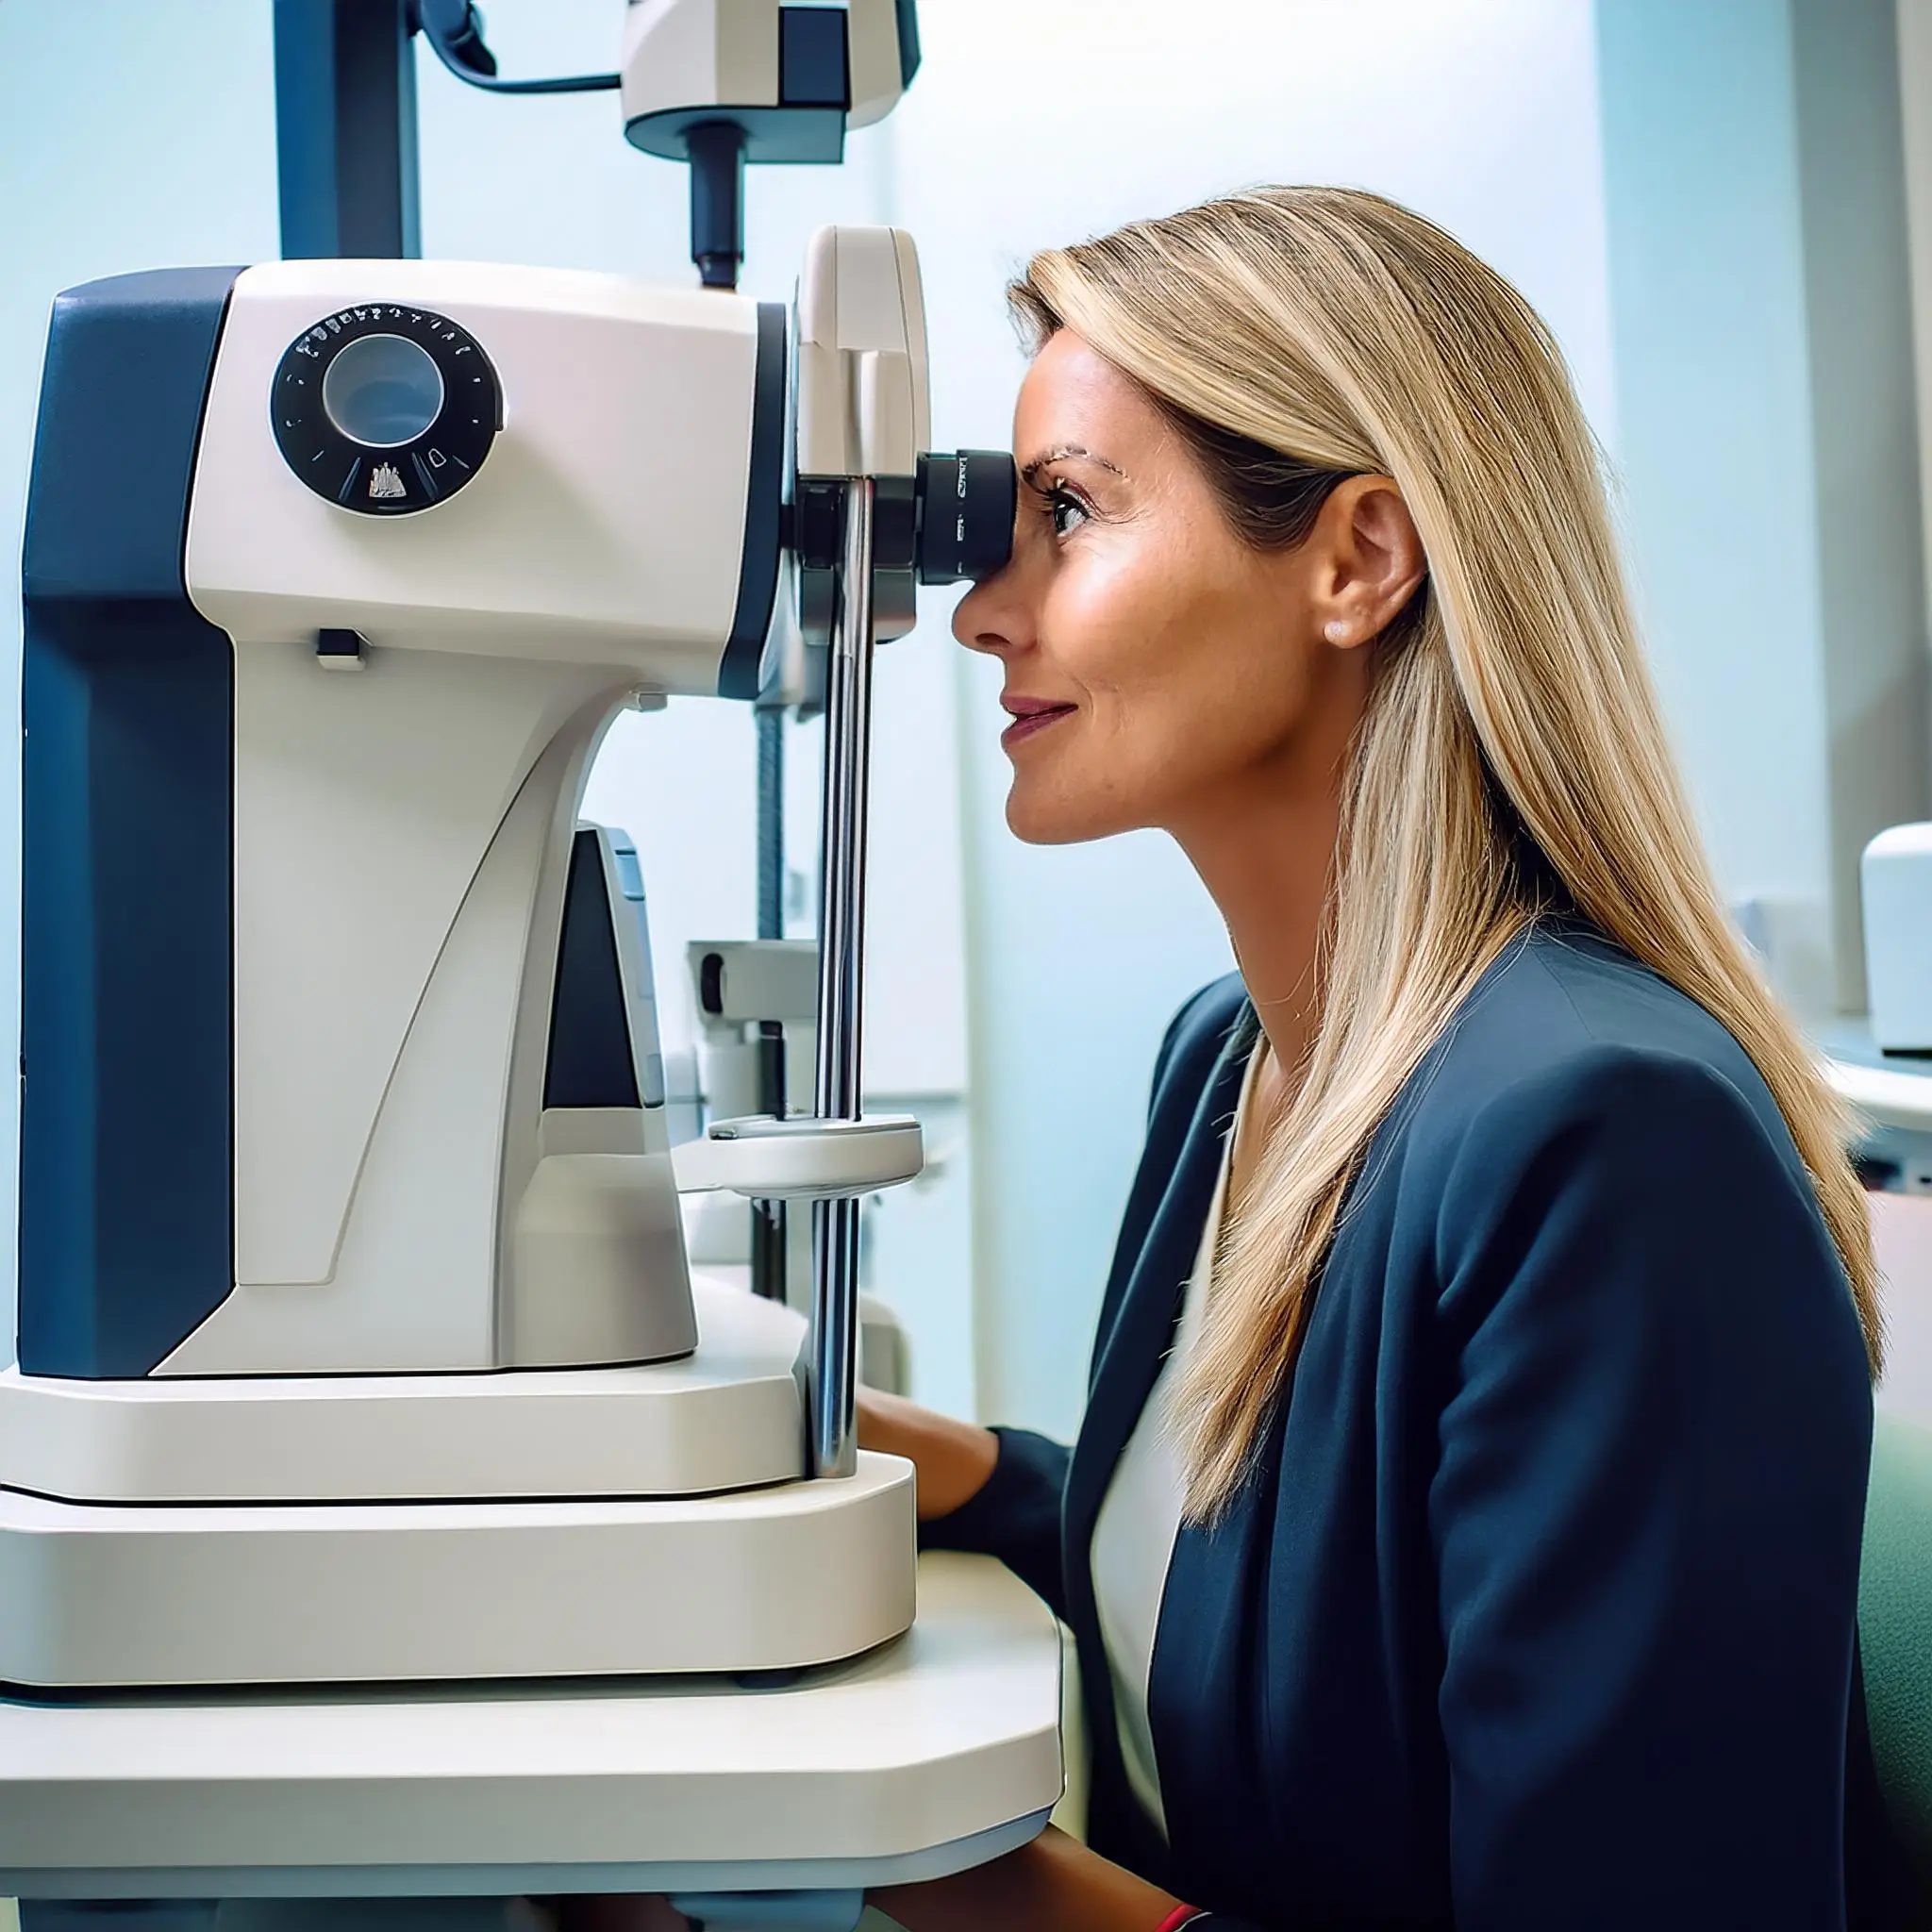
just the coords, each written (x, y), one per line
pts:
(932, 1754)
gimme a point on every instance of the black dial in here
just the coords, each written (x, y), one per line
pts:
(385, 409)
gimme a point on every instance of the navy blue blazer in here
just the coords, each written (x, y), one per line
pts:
(1539, 1614)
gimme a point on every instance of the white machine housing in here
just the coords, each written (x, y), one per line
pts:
(729, 54)
(1895, 879)
(398, 1206)
(410, 1210)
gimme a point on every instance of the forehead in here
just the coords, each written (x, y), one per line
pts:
(1074, 395)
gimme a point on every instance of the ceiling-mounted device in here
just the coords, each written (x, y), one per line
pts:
(719, 83)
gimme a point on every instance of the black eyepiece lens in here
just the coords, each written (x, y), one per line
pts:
(966, 503)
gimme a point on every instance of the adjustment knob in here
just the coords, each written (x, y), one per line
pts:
(385, 409)
(966, 501)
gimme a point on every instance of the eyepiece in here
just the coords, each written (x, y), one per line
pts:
(965, 503)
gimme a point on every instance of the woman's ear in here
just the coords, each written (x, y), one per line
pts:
(1374, 558)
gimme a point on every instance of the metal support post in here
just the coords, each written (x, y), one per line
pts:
(841, 955)
(768, 1218)
(346, 128)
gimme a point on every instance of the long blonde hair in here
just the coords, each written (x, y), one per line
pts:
(1510, 704)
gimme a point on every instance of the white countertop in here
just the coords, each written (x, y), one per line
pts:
(1889, 1090)
(931, 1754)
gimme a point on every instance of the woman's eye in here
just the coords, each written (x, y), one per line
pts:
(1066, 512)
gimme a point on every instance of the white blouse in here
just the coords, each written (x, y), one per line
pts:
(1140, 1516)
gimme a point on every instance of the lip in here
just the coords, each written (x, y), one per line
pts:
(1031, 716)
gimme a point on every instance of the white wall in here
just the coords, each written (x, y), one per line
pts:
(1034, 125)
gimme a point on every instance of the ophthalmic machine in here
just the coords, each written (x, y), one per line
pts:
(386, 1507)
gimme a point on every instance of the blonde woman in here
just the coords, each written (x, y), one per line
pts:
(1464, 1526)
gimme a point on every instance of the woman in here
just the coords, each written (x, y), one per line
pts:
(1464, 1526)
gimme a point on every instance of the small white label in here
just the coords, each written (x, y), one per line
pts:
(386, 480)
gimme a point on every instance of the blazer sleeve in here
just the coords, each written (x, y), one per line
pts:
(1016, 1515)
(1646, 1509)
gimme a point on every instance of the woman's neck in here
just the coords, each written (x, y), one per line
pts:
(1263, 843)
(1267, 861)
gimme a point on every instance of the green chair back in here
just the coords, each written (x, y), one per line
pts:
(1895, 1629)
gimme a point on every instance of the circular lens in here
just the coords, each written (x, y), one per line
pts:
(383, 390)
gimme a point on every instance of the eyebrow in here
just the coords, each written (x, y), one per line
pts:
(1061, 453)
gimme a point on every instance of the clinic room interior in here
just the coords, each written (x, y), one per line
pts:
(973, 965)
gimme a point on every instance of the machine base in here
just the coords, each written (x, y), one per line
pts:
(929, 1754)
(770, 1579)
(726, 1417)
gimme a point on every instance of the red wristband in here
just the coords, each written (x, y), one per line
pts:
(1181, 1915)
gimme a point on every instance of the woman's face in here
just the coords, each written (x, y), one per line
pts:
(1157, 668)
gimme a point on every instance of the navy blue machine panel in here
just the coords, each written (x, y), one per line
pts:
(757, 576)
(126, 1177)
(591, 1060)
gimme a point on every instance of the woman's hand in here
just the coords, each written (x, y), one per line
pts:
(1053, 1885)
(953, 1459)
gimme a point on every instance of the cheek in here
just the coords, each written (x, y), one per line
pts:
(1125, 622)
(1186, 673)
(1186, 662)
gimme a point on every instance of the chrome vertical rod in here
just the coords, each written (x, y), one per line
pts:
(842, 954)
(768, 1233)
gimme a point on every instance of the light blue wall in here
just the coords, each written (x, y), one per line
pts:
(1707, 293)
(1754, 194)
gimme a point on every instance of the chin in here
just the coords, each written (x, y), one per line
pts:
(1049, 821)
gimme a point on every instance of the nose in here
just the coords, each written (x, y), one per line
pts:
(969, 622)
(996, 614)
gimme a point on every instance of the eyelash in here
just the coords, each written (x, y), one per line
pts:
(1057, 498)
